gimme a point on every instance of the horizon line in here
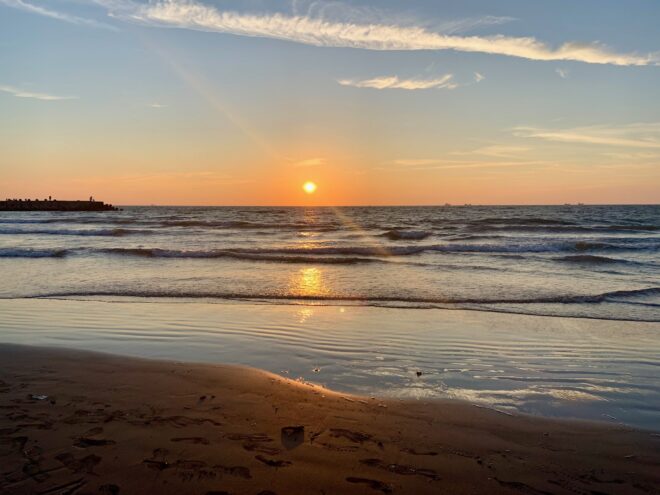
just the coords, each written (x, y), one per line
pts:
(430, 205)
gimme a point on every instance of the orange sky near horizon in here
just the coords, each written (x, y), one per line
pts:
(335, 188)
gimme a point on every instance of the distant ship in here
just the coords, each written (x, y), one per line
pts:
(55, 205)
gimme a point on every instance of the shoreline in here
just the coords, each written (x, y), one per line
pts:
(114, 424)
(504, 361)
(302, 302)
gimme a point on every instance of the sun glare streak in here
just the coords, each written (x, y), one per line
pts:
(348, 222)
(210, 94)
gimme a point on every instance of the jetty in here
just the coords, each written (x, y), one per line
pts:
(55, 205)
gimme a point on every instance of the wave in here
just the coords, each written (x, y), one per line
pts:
(598, 260)
(651, 228)
(651, 291)
(588, 258)
(313, 253)
(576, 229)
(69, 220)
(613, 296)
(348, 254)
(241, 255)
(544, 247)
(398, 235)
(32, 253)
(521, 221)
(472, 237)
(80, 232)
(241, 224)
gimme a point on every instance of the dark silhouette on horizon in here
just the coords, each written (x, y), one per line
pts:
(51, 204)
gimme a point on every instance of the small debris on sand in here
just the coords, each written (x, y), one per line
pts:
(292, 436)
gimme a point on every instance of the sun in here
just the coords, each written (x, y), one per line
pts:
(309, 187)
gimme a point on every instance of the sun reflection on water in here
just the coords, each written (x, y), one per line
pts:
(309, 282)
(304, 314)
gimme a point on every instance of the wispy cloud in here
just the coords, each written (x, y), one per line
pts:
(416, 162)
(444, 164)
(563, 73)
(496, 151)
(60, 16)
(642, 135)
(375, 15)
(634, 156)
(393, 82)
(320, 31)
(472, 23)
(21, 93)
(310, 162)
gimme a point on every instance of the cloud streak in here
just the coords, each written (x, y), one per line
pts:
(319, 31)
(393, 82)
(20, 93)
(643, 135)
(60, 16)
(496, 151)
(310, 162)
(443, 164)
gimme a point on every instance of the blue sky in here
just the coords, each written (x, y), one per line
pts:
(379, 102)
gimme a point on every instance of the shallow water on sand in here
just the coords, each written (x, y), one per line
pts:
(566, 367)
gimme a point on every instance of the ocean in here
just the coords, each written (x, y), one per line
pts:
(539, 309)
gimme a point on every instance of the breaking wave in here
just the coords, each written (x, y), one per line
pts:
(255, 255)
(77, 232)
(414, 235)
(32, 253)
(556, 299)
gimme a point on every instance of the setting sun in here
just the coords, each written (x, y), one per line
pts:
(309, 187)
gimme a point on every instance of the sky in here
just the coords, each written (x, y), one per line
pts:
(202, 102)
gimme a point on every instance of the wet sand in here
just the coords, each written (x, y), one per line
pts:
(117, 425)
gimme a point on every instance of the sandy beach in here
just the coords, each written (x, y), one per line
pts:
(76, 422)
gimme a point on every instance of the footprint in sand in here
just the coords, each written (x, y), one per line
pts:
(11, 445)
(373, 484)
(84, 442)
(401, 469)
(83, 465)
(258, 447)
(353, 436)
(253, 442)
(195, 440)
(273, 462)
(93, 431)
(189, 469)
(109, 489)
(415, 452)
